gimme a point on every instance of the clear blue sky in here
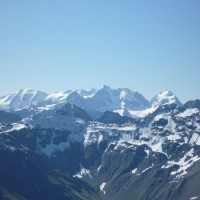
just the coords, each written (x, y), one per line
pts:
(55, 45)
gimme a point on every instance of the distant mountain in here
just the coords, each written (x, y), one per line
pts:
(165, 98)
(21, 99)
(116, 99)
(106, 99)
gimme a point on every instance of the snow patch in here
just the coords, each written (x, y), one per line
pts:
(193, 198)
(134, 171)
(184, 163)
(158, 117)
(83, 172)
(99, 168)
(57, 97)
(16, 127)
(188, 112)
(195, 139)
(102, 186)
(142, 113)
(147, 168)
(147, 152)
(174, 137)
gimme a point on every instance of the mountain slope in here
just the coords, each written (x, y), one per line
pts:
(6, 117)
(23, 175)
(74, 111)
(114, 118)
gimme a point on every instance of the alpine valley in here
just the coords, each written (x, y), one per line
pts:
(107, 144)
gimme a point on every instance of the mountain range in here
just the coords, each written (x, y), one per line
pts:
(107, 144)
(95, 102)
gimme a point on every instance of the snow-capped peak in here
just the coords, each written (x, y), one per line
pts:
(87, 94)
(93, 101)
(118, 99)
(166, 97)
(22, 99)
(57, 97)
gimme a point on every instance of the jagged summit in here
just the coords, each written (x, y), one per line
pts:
(166, 97)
